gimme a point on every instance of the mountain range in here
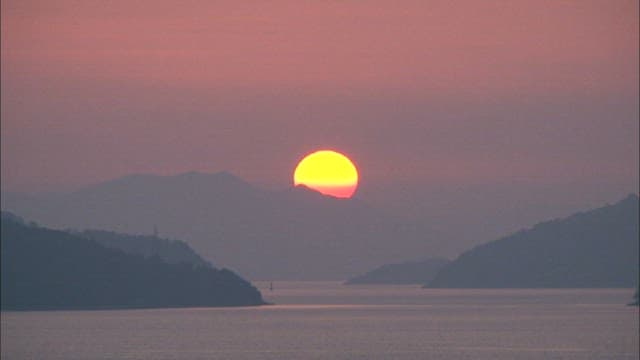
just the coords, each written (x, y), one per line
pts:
(295, 234)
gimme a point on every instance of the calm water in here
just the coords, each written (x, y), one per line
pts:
(329, 321)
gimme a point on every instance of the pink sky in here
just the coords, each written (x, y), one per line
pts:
(419, 93)
(425, 47)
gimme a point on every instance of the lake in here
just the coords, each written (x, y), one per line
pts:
(325, 320)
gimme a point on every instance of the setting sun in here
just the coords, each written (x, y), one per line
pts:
(327, 172)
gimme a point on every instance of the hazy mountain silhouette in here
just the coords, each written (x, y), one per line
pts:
(169, 251)
(51, 269)
(292, 234)
(597, 248)
(411, 272)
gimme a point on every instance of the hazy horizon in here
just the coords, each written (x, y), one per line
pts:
(464, 216)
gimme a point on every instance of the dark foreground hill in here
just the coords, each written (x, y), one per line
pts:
(413, 272)
(49, 269)
(169, 251)
(598, 248)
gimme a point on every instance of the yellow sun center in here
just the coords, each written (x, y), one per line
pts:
(327, 172)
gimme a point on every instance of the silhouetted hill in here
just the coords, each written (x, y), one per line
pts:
(50, 269)
(295, 234)
(413, 272)
(636, 298)
(598, 248)
(169, 251)
(9, 216)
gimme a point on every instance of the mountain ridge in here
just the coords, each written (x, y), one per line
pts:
(292, 234)
(595, 248)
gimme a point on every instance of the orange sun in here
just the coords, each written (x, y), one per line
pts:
(327, 172)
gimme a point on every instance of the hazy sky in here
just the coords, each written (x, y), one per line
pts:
(423, 95)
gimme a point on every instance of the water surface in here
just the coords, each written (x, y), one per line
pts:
(324, 320)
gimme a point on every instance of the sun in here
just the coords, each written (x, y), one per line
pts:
(328, 172)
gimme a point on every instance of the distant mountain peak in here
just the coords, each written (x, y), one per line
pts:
(196, 174)
(192, 173)
(293, 233)
(224, 177)
(185, 180)
(304, 189)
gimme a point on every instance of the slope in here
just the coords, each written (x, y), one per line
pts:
(598, 248)
(50, 269)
